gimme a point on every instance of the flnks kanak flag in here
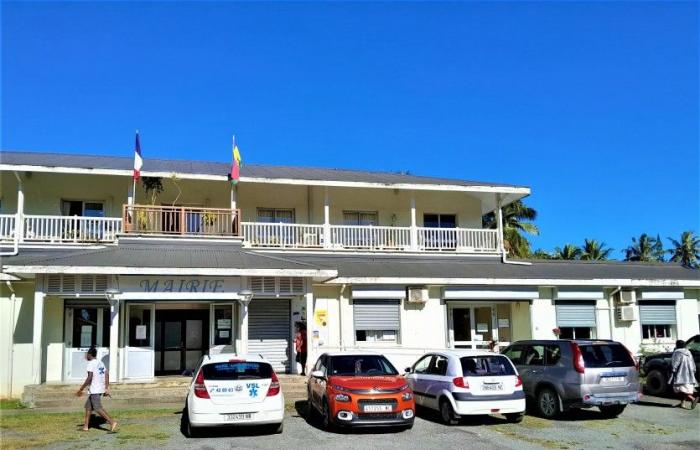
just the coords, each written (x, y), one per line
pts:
(235, 173)
(138, 161)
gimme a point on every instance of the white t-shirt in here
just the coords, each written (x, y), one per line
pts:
(98, 369)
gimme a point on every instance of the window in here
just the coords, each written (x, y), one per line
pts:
(483, 366)
(360, 218)
(606, 355)
(534, 356)
(223, 324)
(515, 353)
(552, 355)
(438, 366)
(225, 371)
(658, 319)
(367, 365)
(576, 333)
(81, 208)
(439, 220)
(423, 364)
(576, 319)
(270, 215)
(376, 320)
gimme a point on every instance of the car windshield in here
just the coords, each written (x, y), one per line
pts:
(605, 355)
(237, 371)
(365, 365)
(482, 366)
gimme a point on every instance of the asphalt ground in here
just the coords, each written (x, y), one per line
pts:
(652, 424)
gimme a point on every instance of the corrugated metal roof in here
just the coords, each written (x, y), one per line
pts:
(221, 169)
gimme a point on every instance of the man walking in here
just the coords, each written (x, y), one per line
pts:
(98, 382)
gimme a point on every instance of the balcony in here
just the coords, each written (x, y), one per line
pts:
(225, 223)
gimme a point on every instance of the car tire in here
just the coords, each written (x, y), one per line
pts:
(611, 411)
(447, 414)
(188, 430)
(515, 417)
(656, 383)
(277, 429)
(548, 403)
(326, 419)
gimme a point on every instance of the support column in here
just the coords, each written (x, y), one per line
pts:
(311, 341)
(234, 195)
(326, 219)
(414, 226)
(114, 373)
(499, 225)
(19, 220)
(37, 335)
(243, 313)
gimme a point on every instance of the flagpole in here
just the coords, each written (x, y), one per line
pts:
(133, 191)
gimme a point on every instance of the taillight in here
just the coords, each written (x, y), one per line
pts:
(459, 382)
(274, 385)
(578, 358)
(200, 390)
(518, 381)
(634, 360)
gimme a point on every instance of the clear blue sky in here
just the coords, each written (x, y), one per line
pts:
(593, 105)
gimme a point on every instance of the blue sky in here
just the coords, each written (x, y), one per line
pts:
(593, 105)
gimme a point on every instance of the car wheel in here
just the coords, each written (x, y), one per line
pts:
(447, 414)
(515, 418)
(656, 383)
(189, 430)
(326, 417)
(277, 429)
(611, 411)
(548, 403)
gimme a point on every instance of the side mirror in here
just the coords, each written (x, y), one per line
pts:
(408, 370)
(318, 374)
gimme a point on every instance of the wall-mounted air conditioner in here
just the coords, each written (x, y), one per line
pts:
(627, 297)
(627, 313)
(417, 295)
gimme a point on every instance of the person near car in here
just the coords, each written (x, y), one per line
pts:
(300, 346)
(97, 382)
(683, 375)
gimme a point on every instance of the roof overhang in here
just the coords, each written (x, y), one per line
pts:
(542, 282)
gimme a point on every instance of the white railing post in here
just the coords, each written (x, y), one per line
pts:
(19, 221)
(414, 227)
(326, 220)
(499, 226)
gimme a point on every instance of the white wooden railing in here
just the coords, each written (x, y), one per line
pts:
(457, 239)
(67, 229)
(291, 235)
(368, 237)
(7, 227)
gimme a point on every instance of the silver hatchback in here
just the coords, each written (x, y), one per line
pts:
(562, 374)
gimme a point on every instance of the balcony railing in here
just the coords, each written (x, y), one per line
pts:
(457, 239)
(70, 229)
(370, 237)
(7, 226)
(180, 220)
(290, 235)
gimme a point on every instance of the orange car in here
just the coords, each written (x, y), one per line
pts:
(359, 389)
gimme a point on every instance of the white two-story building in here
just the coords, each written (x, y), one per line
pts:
(392, 262)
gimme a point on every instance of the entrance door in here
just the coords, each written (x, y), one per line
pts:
(85, 326)
(140, 322)
(269, 331)
(182, 337)
(472, 326)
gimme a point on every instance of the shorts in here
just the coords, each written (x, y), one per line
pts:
(93, 402)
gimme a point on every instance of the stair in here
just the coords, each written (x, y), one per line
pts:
(165, 390)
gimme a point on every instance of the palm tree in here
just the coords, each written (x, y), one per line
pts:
(517, 219)
(568, 252)
(594, 250)
(646, 248)
(687, 250)
(541, 254)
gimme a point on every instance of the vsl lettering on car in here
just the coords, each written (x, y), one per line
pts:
(252, 389)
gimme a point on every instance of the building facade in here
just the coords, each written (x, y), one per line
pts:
(395, 263)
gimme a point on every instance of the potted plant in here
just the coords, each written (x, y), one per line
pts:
(209, 221)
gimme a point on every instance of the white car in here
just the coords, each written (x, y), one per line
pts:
(232, 390)
(467, 382)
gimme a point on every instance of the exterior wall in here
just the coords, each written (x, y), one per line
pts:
(52, 340)
(687, 313)
(543, 315)
(16, 327)
(520, 317)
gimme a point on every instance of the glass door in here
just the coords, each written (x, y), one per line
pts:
(472, 326)
(85, 326)
(139, 361)
(181, 338)
(223, 324)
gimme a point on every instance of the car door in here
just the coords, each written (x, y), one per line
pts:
(532, 367)
(435, 380)
(318, 385)
(416, 379)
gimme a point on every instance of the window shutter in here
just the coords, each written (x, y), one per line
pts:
(376, 314)
(68, 283)
(657, 314)
(575, 314)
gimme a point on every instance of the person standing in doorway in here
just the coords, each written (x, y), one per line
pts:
(683, 375)
(97, 382)
(300, 345)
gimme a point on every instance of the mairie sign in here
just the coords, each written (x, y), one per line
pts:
(148, 284)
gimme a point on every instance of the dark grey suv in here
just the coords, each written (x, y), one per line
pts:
(562, 374)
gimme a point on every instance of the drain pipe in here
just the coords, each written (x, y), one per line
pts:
(18, 219)
(504, 253)
(10, 353)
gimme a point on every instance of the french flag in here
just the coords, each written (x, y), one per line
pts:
(138, 161)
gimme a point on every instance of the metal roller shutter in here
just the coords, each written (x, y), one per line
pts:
(575, 314)
(269, 331)
(376, 314)
(657, 314)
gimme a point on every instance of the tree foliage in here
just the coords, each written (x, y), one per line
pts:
(686, 250)
(646, 248)
(518, 220)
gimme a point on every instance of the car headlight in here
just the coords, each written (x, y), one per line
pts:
(407, 396)
(340, 388)
(342, 398)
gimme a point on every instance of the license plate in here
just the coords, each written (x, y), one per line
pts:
(612, 379)
(492, 387)
(377, 408)
(240, 416)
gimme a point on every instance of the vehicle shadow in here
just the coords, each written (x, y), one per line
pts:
(226, 432)
(303, 410)
(431, 415)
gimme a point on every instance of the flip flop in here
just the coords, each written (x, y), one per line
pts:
(113, 428)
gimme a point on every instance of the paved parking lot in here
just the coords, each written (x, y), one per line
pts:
(654, 423)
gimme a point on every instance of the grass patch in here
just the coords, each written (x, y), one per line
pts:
(27, 430)
(10, 403)
(512, 432)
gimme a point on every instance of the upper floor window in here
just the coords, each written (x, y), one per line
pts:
(439, 220)
(82, 208)
(272, 215)
(360, 218)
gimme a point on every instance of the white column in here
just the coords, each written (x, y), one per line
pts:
(114, 374)
(499, 225)
(311, 341)
(37, 336)
(19, 220)
(326, 219)
(414, 226)
(243, 350)
(234, 194)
